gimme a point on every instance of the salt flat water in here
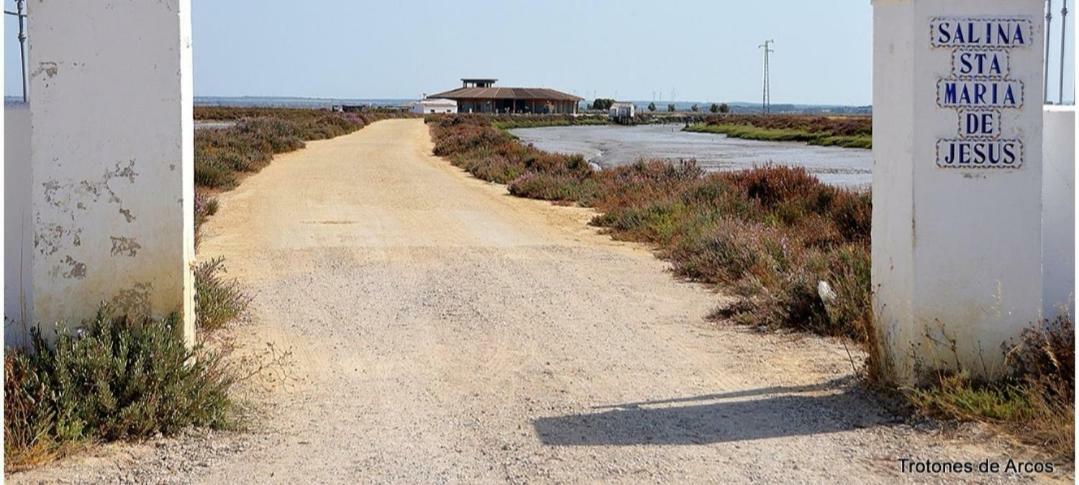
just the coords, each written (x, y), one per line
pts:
(612, 145)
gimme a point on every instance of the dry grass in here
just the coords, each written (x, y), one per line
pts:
(218, 300)
(1035, 403)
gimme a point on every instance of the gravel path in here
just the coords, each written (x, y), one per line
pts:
(443, 331)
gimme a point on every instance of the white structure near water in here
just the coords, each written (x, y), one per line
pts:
(99, 167)
(434, 106)
(620, 111)
(958, 184)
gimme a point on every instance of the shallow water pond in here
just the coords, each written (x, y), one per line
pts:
(611, 145)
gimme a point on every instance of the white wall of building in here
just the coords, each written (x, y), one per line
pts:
(18, 225)
(111, 149)
(1058, 219)
(956, 251)
(434, 106)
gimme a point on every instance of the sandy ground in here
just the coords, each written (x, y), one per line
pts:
(443, 331)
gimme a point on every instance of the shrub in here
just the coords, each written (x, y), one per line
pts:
(29, 423)
(729, 250)
(217, 300)
(650, 222)
(774, 185)
(602, 103)
(115, 378)
(205, 206)
(474, 144)
(209, 173)
(1036, 401)
(554, 186)
(848, 275)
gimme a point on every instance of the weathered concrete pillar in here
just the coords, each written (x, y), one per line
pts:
(1058, 211)
(957, 181)
(18, 226)
(111, 155)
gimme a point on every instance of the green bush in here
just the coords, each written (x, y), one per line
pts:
(602, 103)
(1036, 401)
(113, 378)
(557, 187)
(210, 173)
(217, 300)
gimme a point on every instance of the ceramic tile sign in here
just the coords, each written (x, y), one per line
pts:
(981, 89)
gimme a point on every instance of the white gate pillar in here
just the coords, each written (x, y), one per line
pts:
(957, 180)
(111, 159)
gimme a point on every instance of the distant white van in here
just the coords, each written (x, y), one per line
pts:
(434, 106)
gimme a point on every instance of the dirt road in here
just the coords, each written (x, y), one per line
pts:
(443, 331)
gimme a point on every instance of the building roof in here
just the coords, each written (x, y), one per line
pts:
(507, 93)
(438, 101)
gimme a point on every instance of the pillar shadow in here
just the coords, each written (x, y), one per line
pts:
(787, 411)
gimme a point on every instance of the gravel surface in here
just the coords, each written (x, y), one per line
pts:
(443, 331)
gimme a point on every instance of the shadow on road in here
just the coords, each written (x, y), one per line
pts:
(787, 411)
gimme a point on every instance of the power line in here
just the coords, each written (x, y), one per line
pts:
(766, 95)
(1048, 29)
(1063, 34)
(20, 14)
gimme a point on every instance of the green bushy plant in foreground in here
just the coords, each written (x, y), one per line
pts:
(122, 378)
(217, 300)
(114, 378)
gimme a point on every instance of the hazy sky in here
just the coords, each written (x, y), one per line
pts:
(630, 49)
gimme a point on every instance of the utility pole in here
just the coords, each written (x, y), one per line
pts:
(766, 98)
(1063, 31)
(1048, 28)
(20, 14)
